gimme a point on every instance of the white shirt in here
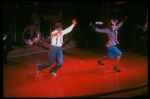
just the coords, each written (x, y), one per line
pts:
(58, 40)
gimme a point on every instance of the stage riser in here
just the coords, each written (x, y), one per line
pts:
(36, 50)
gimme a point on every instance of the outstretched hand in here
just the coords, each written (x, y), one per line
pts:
(74, 22)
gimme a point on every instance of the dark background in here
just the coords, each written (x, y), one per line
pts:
(84, 12)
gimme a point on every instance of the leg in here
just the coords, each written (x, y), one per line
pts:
(105, 57)
(46, 64)
(59, 62)
(100, 61)
(116, 66)
(118, 59)
(52, 56)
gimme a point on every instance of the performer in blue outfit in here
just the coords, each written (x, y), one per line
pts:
(112, 50)
(55, 51)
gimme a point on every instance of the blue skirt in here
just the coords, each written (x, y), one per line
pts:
(113, 52)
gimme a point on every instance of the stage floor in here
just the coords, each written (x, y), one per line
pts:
(80, 76)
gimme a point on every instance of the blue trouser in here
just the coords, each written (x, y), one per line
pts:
(55, 53)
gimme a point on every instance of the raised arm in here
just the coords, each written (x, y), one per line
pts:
(69, 29)
(121, 23)
(98, 30)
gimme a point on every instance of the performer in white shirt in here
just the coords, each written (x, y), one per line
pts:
(55, 51)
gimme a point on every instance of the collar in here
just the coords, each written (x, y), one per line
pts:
(112, 30)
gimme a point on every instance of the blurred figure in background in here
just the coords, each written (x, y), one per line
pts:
(31, 34)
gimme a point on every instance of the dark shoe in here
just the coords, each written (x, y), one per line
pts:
(37, 69)
(53, 73)
(116, 69)
(99, 62)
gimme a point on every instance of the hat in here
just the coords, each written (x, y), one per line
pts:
(57, 25)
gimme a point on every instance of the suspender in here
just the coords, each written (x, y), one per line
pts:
(56, 40)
